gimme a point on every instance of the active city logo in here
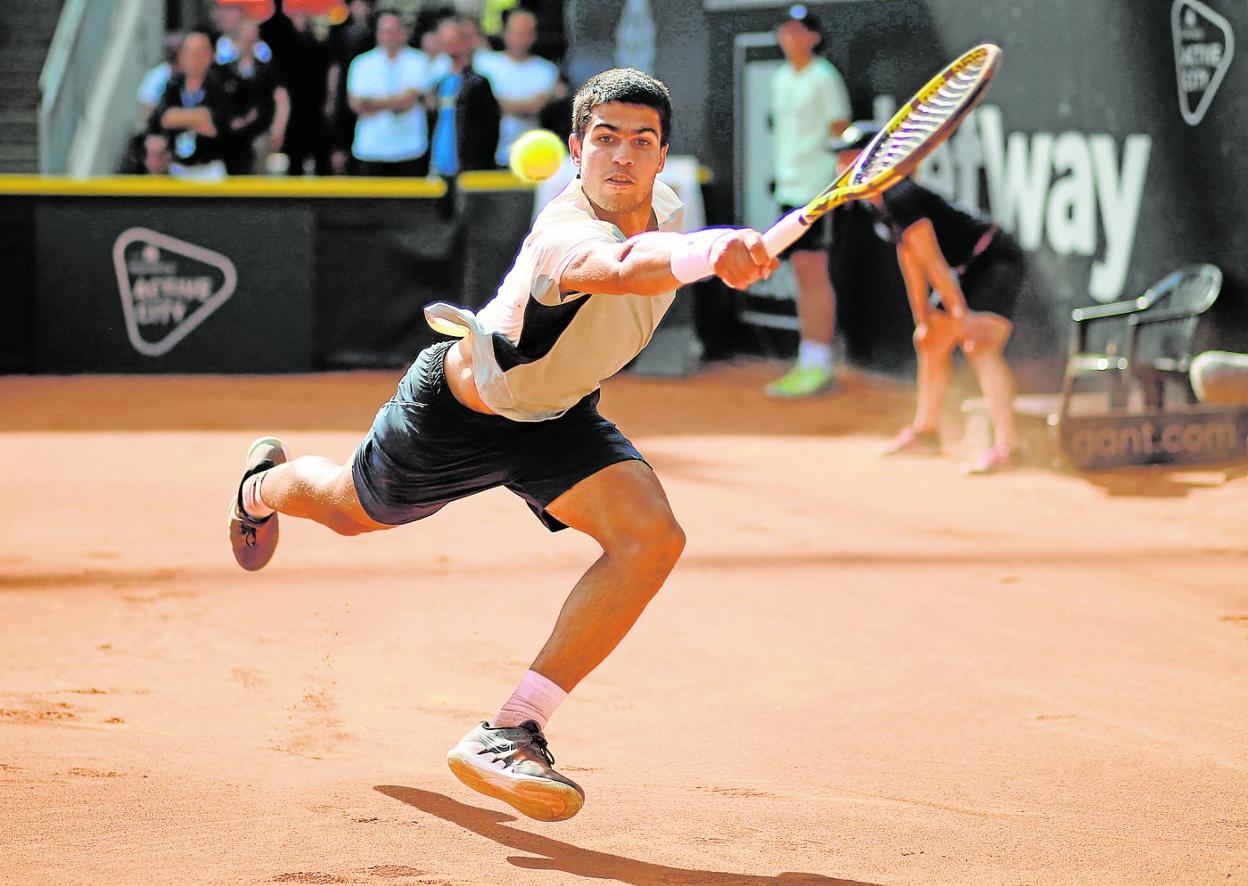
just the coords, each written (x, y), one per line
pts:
(1203, 47)
(168, 287)
(1155, 440)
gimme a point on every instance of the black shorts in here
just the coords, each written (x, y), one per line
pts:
(994, 279)
(816, 236)
(426, 449)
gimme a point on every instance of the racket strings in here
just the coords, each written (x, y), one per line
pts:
(929, 113)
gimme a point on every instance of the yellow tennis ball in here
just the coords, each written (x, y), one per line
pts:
(536, 155)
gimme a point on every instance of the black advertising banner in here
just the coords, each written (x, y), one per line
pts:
(1200, 436)
(377, 264)
(173, 286)
(17, 291)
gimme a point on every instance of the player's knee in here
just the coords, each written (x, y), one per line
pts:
(655, 537)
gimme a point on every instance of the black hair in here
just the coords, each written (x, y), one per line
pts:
(626, 85)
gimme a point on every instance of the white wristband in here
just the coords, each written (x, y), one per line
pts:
(691, 256)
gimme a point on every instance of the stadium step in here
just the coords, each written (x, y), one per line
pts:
(19, 96)
(26, 30)
(19, 127)
(19, 157)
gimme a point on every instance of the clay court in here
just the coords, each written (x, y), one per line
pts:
(860, 672)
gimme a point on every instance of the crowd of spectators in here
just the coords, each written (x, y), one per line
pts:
(372, 94)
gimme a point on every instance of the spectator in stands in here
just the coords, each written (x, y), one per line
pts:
(307, 81)
(229, 19)
(153, 84)
(522, 82)
(466, 134)
(347, 40)
(809, 104)
(386, 88)
(196, 110)
(147, 154)
(263, 108)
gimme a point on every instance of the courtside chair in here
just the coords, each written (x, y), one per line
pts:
(1147, 338)
(1160, 341)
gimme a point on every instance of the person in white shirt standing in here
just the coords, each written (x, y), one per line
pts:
(522, 82)
(386, 88)
(809, 104)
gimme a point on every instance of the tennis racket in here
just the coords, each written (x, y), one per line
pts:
(922, 123)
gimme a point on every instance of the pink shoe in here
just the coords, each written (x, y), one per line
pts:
(995, 459)
(913, 442)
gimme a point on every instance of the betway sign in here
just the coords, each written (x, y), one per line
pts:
(1078, 193)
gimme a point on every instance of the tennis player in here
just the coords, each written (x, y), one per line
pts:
(514, 403)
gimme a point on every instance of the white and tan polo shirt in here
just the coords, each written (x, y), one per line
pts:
(536, 352)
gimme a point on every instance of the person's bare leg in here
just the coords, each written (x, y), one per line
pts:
(317, 488)
(934, 353)
(985, 352)
(814, 370)
(623, 507)
(816, 300)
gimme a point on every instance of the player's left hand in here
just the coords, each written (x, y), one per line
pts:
(740, 259)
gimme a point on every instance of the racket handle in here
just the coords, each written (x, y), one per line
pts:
(784, 233)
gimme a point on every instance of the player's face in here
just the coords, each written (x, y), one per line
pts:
(620, 155)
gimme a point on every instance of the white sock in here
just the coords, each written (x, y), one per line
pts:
(253, 504)
(814, 355)
(536, 698)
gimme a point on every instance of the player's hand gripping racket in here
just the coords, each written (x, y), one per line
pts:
(922, 123)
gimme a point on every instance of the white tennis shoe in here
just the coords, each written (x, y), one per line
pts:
(513, 764)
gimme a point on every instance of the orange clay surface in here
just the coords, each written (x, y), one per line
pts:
(862, 670)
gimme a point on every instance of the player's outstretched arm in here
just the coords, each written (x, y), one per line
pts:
(658, 262)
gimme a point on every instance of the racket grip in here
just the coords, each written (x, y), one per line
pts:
(785, 233)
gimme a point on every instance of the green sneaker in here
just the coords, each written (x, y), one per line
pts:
(803, 381)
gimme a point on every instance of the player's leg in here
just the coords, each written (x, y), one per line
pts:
(625, 510)
(312, 486)
(319, 489)
(934, 355)
(984, 347)
(934, 342)
(398, 474)
(992, 287)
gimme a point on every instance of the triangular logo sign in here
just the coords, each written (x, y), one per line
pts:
(168, 287)
(1203, 47)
